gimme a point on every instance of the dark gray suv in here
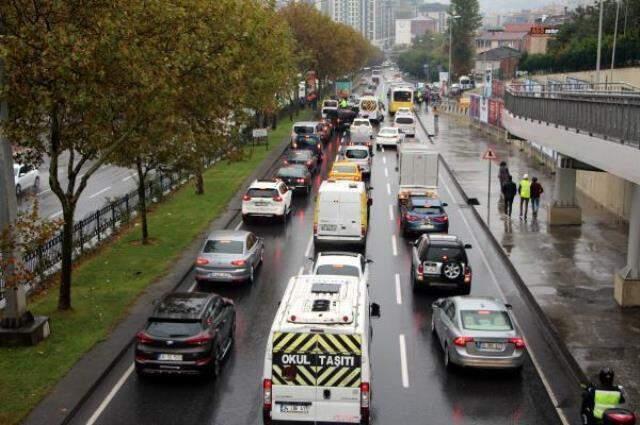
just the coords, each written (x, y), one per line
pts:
(440, 261)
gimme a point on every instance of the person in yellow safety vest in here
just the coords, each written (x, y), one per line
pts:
(524, 190)
(597, 399)
(343, 103)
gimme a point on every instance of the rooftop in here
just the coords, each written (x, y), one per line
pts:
(499, 53)
(501, 35)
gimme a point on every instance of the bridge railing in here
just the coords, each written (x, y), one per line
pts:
(610, 111)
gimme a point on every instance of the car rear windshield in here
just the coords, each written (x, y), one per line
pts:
(303, 129)
(344, 169)
(357, 154)
(164, 329)
(388, 132)
(402, 96)
(331, 103)
(358, 123)
(262, 193)
(221, 246)
(427, 210)
(338, 269)
(485, 320)
(440, 253)
(304, 155)
(291, 172)
(308, 142)
(404, 120)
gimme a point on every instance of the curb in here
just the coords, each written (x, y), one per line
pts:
(548, 329)
(229, 216)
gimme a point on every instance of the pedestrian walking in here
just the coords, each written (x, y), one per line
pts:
(503, 176)
(524, 190)
(509, 190)
(536, 191)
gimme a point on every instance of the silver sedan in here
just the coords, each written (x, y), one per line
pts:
(229, 256)
(477, 332)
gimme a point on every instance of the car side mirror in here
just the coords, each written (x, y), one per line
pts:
(509, 306)
(467, 246)
(369, 261)
(416, 242)
(396, 168)
(437, 303)
(370, 202)
(375, 310)
(444, 204)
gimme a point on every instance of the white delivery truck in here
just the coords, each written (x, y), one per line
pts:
(418, 171)
(316, 366)
(341, 214)
(372, 109)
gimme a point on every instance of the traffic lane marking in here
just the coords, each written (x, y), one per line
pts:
(404, 370)
(388, 189)
(105, 402)
(394, 245)
(307, 252)
(384, 159)
(98, 193)
(386, 172)
(390, 212)
(494, 279)
(398, 289)
(238, 226)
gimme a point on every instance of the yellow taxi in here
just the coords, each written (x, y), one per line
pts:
(345, 170)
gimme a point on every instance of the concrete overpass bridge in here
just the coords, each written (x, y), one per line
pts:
(591, 126)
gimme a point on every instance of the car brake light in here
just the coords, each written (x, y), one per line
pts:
(319, 146)
(363, 230)
(200, 339)
(315, 228)
(365, 399)
(411, 217)
(277, 198)
(246, 198)
(143, 338)
(441, 219)
(518, 342)
(201, 261)
(300, 180)
(238, 263)
(467, 275)
(462, 341)
(286, 162)
(420, 268)
(295, 145)
(266, 394)
(309, 162)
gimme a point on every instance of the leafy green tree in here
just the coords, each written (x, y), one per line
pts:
(427, 49)
(463, 34)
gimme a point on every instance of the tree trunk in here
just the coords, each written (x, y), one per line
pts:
(142, 201)
(64, 297)
(199, 182)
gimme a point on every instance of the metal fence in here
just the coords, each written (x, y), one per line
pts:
(612, 115)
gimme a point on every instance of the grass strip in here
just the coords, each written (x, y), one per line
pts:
(107, 284)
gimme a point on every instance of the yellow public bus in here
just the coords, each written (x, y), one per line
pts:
(401, 97)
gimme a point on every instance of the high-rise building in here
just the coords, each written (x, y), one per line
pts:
(372, 18)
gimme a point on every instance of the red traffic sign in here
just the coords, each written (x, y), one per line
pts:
(489, 154)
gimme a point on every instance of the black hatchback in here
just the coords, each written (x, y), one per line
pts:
(296, 177)
(188, 334)
(309, 142)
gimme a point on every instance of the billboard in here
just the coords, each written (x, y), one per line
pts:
(484, 109)
(343, 88)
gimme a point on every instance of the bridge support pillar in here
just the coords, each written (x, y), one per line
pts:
(564, 210)
(627, 280)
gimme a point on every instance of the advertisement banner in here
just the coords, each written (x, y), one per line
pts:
(497, 89)
(343, 88)
(484, 109)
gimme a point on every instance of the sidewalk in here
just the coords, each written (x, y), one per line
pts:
(569, 270)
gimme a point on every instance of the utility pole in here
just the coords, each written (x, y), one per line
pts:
(8, 199)
(451, 19)
(615, 37)
(599, 54)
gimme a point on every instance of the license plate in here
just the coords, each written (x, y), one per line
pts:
(294, 408)
(260, 204)
(490, 346)
(218, 274)
(329, 227)
(170, 357)
(431, 269)
(428, 226)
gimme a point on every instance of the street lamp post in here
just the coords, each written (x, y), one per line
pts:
(615, 37)
(451, 18)
(599, 53)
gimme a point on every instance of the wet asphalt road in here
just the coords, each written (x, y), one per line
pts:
(430, 396)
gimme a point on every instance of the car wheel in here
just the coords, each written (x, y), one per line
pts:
(215, 365)
(261, 256)
(251, 275)
(452, 271)
(377, 147)
(18, 191)
(140, 372)
(246, 219)
(36, 183)
(414, 287)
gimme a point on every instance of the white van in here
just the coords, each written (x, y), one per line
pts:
(329, 106)
(406, 124)
(371, 108)
(341, 214)
(317, 367)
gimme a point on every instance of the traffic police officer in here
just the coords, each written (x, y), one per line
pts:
(597, 399)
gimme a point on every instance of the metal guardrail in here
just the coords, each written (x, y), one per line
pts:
(608, 114)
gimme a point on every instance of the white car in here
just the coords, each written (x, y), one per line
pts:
(406, 124)
(266, 198)
(404, 111)
(359, 154)
(360, 123)
(340, 263)
(389, 136)
(25, 177)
